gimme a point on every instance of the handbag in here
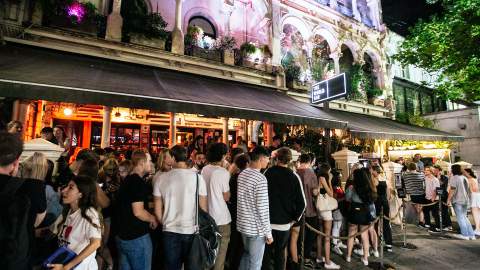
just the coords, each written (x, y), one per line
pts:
(326, 203)
(206, 240)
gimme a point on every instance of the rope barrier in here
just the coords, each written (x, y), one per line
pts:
(396, 215)
(341, 237)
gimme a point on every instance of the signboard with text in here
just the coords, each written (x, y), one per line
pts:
(333, 88)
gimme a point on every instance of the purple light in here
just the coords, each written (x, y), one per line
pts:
(76, 9)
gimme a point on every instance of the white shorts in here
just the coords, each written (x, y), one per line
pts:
(326, 215)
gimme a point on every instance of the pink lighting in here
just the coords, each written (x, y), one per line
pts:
(76, 10)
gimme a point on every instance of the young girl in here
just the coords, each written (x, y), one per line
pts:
(79, 226)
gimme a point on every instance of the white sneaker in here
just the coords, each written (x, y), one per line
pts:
(337, 250)
(348, 259)
(332, 265)
(376, 253)
(320, 260)
(342, 245)
(461, 237)
(364, 262)
(473, 238)
(477, 233)
(357, 242)
(358, 251)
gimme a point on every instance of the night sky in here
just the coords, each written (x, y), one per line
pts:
(400, 15)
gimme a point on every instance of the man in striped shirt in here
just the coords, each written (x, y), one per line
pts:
(253, 216)
(415, 186)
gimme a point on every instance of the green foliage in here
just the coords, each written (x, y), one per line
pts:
(292, 70)
(248, 48)
(191, 38)
(374, 92)
(414, 119)
(448, 44)
(320, 68)
(137, 19)
(358, 83)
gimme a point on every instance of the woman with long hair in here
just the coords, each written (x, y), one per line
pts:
(361, 196)
(164, 160)
(325, 187)
(475, 198)
(61, 137)
(79, 227)
(109, 180)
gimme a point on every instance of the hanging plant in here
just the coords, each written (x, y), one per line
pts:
(358, 84)
(248, 48)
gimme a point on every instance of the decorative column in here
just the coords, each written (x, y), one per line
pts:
(373, 7)
(225, 130)
(247, 131)
(115, 23)
(276, 33)
(333, 4)
(356, 13)
(336, 60)
(106, 126)
(250, 132)
(178, 45)
(172, 132)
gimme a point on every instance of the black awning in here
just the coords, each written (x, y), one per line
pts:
(365, 126)
(35, 73)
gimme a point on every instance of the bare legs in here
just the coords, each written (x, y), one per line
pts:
(353, 229)
(476, 218)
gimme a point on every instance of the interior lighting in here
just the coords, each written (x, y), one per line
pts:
(67, 111)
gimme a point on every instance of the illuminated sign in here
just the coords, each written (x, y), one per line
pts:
(333, 88)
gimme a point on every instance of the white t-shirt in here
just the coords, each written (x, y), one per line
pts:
(177, 190)
(217, 180)
(76, 232)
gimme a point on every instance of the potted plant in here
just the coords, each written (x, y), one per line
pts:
(72, 15)
(226, 44)
(373, 93)
(149, 30)
(247, 49)
(292, 75)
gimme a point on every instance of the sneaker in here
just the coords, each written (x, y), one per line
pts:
(461, 237)
(388, 248)
(448, 229)
(477, 233)
(342, 245)
(422, 225)
(308, 263)
(320, 260)
(375, 253)
(332, 265)
(358, 251)
(365, 262)
(348, 259)
(357, 242)
(427, 226)
(434, 230)
(337, 250)
(473, 238)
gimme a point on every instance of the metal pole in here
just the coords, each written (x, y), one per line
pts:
(380, 234)
(404, 223)
(440, 214)
(302, 240)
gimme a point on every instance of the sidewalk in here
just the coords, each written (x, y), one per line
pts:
(433, 252)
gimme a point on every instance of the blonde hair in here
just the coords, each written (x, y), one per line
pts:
(35, 167)
(162, 154)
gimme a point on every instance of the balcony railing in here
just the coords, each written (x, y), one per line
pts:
(207, 63)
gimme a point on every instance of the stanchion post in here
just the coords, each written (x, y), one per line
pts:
(440, 218)
(380, 235)
(302, 240)
(404, 224)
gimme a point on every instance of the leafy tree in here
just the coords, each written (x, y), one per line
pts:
(448, 43)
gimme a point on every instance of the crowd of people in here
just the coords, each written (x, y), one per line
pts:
(126, 211)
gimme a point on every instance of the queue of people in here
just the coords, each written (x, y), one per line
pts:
(131, 213)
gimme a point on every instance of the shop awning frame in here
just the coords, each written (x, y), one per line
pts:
(34, 73)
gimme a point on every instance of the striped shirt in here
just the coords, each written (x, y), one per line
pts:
(253, 216)
(414, 183)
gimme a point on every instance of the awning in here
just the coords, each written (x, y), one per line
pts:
(365, 126)
(35, 73)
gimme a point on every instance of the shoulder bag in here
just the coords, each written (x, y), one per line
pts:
(326, 203)
(206, 240)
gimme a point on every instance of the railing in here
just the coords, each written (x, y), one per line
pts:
(11, 30)
(213, 55)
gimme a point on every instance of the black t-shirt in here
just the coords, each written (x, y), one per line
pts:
(133, 189)
(35, 191)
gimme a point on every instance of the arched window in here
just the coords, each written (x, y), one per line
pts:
(205, 25)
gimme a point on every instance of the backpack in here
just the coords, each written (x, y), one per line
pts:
(14, 233)
(206, 240)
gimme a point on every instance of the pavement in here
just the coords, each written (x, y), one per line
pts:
(434, 251)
